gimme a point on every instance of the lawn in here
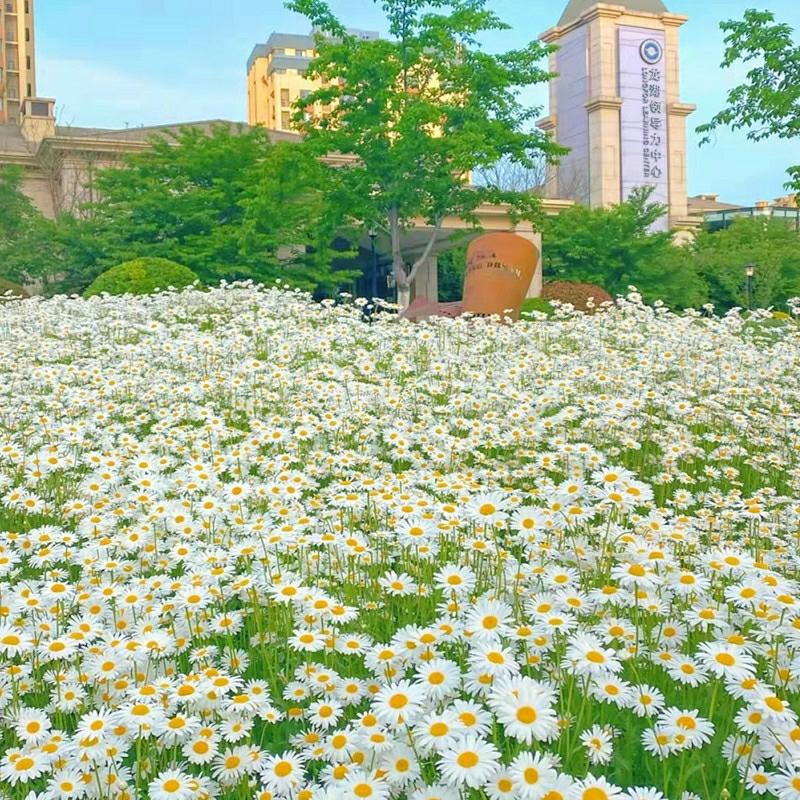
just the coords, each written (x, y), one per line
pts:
(257, 547)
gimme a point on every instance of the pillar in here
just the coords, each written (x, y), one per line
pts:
(426, 283)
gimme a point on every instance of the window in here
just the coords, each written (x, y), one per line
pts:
(285, 98)
(39, 110)
(27, 34)
(279, 51)
(27, 7)
(305, 93)
(30, 90)
(28, 62)
(300, 53)
(286, 121)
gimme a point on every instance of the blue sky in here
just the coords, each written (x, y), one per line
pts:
(112, 63)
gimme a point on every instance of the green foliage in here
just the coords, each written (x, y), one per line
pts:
(229, 205)
(142, 276)
(538, 304)
(614, 248)
(418, 111)
(62, 254)
(34, 248)
(771, 245)
(452, 264)
(768, 102)
(16, 209)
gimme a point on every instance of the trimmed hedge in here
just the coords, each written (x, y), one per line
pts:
(14, 288)
(142, 276)
(576, 293)
(538, 304)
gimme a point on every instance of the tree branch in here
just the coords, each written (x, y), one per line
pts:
(426, 252)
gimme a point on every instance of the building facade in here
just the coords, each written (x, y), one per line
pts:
(276, 78)
(17, 58)
(616, 104)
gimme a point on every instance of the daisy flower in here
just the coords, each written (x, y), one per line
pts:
(470, 762)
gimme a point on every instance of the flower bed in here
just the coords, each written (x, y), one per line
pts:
(254, 547)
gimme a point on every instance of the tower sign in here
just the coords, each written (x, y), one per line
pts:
(615, 103)
(643, 114)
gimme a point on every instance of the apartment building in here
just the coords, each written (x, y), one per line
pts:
(17, 58)
(276, 78)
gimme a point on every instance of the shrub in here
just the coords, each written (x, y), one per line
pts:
(578, 294)
(538, 304)
(142, 276)
(14, 288)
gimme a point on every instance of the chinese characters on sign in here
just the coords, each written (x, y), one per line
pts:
(643, 89)
(653, 157)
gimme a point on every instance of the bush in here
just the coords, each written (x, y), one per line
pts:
(578, 294)
(14, 288)
(142, 276)
(538, 304)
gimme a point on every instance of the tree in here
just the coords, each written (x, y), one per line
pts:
(515, 177)
(34, 249)
(16, 210)
(229, 205)
(614, 248)
(417, 114)
(768, 102)
(452, 265)
(57, 254)
(772, 246)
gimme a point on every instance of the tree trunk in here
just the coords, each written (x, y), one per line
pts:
(400, 275)
(404, 296)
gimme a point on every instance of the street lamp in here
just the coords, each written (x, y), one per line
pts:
(750, 271)
(373, 235)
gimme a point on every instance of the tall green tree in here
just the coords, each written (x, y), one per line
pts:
(614, 248)
(228, 205)
(16, 210)
(418, 112)
(767, 103)
(34, 249)
(772, 246)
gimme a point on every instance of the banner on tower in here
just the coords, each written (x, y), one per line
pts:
(643, 117)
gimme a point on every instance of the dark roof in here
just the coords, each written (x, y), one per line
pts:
(297, 41)
(701, 204)
(142, 134)
(12, 140)
(576, 8)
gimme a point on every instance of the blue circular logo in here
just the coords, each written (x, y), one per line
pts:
(651, 51)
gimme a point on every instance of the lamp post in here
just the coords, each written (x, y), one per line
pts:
(750, 271)
(373, 235)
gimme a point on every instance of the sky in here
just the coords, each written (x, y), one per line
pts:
(118, 63)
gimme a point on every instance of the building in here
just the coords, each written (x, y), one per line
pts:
(59, 162)
(616, 104)
(276, 78)
(17, 57)
(717, 216)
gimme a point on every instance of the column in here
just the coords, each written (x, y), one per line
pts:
(427, 281)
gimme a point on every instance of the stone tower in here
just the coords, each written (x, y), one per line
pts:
(616, 104)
